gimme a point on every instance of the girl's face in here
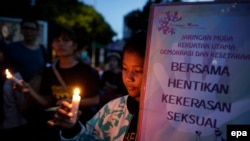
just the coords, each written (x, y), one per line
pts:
(132, 73)
(64, 46)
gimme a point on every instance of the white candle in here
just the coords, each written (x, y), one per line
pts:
(75, 104)
(13, 78)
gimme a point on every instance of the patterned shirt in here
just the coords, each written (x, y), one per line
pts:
(112, 123)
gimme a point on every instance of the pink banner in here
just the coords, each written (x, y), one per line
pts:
(197, 71)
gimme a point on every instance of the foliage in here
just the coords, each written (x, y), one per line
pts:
(138, 20)
(88, 24)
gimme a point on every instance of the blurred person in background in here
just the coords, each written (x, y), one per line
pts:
(13, 123)
(61, 78)
(2, 79)
(29, 58)
(28, 55)
(5, 33)
(111, 79)
(83, 56)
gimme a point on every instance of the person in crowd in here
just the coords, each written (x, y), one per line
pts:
(13, 124)
(2, 79)
(111, 79)
(5, 33)
(83, 56)
(28, 56)
(62, 77)
(2, 44)
(116, 120)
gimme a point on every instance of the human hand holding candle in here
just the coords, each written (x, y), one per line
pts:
(13, 78)
(75, 104)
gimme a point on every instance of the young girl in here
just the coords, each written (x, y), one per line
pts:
(117, 120)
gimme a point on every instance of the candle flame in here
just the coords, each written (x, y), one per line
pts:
(76, 91)
(8, 74)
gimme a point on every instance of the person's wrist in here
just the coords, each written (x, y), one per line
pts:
(71, 132)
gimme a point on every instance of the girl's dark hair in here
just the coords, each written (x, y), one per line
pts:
(136, 44)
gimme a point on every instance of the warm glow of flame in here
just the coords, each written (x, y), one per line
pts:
(8, 74)
(76, 91)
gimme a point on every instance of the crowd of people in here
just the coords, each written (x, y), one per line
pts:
(26, 60)
(39, 108)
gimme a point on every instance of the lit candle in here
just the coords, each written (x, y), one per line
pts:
(75, 104)
(13, 78)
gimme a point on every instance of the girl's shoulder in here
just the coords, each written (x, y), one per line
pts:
(115, 109)
(117, 104)
(119, 100)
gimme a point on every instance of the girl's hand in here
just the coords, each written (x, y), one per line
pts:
(59, 102)
(63, 115)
